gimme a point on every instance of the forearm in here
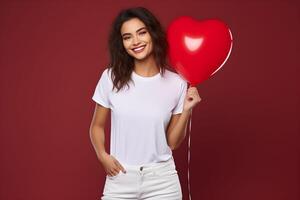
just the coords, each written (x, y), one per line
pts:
(97, 137)
(177, 134)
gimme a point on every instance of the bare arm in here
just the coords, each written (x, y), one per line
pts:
(97, 127)
(111, 165)
(177, 129)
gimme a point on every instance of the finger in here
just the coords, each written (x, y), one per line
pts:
(117, 166)
(120, 166)
(115, 171)
(191, 95)
(110, 173)
(192, 92)
(195, 94)
(197, 98)
(192, 88)
(194, 97)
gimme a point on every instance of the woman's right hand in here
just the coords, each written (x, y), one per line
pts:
(111, 165)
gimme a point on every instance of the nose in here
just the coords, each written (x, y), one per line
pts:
(136, 41)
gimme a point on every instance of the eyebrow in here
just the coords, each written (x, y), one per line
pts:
(136, 31)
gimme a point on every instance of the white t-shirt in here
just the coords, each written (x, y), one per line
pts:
(140, 115)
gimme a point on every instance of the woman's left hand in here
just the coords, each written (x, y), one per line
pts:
(192, 98)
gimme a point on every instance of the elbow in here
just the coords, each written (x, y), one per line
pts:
(172, 147)
(94, 130)
(91, 131)
(176, 145)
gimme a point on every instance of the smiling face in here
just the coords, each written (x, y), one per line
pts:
(136, 39)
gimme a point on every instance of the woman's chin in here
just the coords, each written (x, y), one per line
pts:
(140, 57)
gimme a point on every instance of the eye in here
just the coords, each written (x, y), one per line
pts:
(126, 38)
(143, 32)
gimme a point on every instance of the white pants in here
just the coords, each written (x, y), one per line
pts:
(154, 181)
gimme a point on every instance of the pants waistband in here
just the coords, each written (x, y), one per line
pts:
(150, 166)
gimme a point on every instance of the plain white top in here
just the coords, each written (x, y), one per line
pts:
(140, 115)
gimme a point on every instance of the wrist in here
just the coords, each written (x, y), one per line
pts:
(102, 155)
(187, 112)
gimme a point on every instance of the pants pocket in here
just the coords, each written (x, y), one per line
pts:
(166, 172)
(116, 176)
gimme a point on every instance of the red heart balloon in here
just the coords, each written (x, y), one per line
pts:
(198, 49)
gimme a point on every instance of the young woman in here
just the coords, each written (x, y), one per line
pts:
(150, 106)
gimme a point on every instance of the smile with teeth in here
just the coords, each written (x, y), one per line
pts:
(139, 49)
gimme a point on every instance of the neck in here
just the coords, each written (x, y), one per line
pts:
(146, 67)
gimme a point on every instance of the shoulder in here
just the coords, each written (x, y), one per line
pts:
(175, 77)
(105, 78)
(106, 74)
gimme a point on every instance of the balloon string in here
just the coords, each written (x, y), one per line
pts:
(189, 144)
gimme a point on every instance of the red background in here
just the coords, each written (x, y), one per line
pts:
(245, 131)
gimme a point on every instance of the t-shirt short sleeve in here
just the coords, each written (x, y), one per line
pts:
(101, 93)
(179, 107)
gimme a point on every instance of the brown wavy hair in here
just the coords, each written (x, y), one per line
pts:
(121, 63)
